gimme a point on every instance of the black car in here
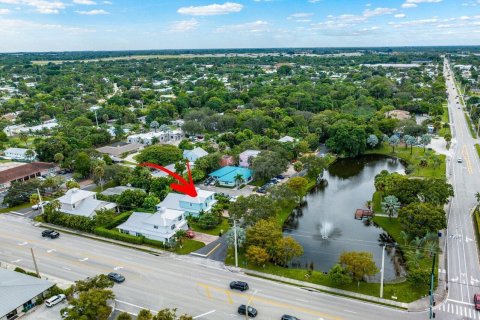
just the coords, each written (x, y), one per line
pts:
(261, 190)
(116, 277)
(287, 317)
(46, 233)
(239, 285)
(54, 235)
(252, 312)
(280, 177)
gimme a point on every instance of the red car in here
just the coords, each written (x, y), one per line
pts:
(476, 301)
(190, 234)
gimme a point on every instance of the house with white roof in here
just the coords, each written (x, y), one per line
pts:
(83, 203)
(287, 139)
(194, 154)
(245, 157)
(160, 136)
(160, 226)
(19, 154)
(204, 201)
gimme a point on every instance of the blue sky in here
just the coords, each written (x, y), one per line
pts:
(57, 25)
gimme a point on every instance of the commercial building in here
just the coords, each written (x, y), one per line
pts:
(25, 172)
(230, 176)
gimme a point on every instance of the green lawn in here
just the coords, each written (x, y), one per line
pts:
(404, 291)
(377, 202)
(414, 160)
(224, 225)
(470, 127)
(188, 246)
(445, 115)
(21, 206)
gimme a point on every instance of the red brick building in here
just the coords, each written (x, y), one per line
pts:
(25, 172)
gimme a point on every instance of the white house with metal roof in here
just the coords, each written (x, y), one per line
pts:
(204, 201)
(19, 154)
(194, 154)
(19, 292)
(160, 226)
(83, 203)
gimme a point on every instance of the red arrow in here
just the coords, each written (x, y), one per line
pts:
(183, 186)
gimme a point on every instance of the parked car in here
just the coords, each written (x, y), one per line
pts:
(40, 205)
(280, 177)
(239, 285)
(252, 312)
(116, 277)
(273, 181)
(65, 311)
(46, 233)
(287, 317)
(190, 234)
(50, 302)
(476, 301)
(261, 190)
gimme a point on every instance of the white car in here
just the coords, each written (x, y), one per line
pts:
(55, 300)
(459, 160)
(40, 205)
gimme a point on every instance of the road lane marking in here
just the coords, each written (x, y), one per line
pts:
(229, 297)
(15, 261)
(204, 314)
(22, 243)
(66, 268)
(301, 300)
(51, 250)
(272, 302)
(460, 302)
(129, 304)
(83, 260)
(117, 268)
(349, 311)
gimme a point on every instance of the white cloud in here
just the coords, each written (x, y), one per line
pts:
(400, 15)
(184, 25)
(300, 15)
(409, 5)
(423, 1)
(314, 1)
(212, 9)
(4, 11)
(251, 27)
(84, 2)
(107, 2)
(378, 12)
(93, 12)
(41, 6)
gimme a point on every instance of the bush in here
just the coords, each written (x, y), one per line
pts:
(20, 270)
(119, 219)
(113, 234)
(70, 221)
(208, 221)
(154, 243)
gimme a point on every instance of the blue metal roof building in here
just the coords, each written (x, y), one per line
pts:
(226, 175)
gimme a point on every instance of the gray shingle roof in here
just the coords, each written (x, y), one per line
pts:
(17, 288)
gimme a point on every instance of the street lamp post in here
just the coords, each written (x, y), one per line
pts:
(382, 271)
(236, 243)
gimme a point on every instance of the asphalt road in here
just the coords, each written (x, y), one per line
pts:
(463, 269)
(193, 285)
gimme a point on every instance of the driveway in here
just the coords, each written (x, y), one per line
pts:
(44, 313)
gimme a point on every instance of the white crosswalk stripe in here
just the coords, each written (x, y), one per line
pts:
(458, 308)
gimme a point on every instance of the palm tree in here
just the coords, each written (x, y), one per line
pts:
(390, 206)
(154, 125)
(477, 196)
(30, 154)
(414, 257)
(98, 173)
(405, 237)
(238, 179)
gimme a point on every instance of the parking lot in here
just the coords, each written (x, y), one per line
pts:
(44, 313)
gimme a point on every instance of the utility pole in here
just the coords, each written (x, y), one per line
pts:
(35, 263)
(432, 275)
(383, 270)
(235, 239)
(40, 201)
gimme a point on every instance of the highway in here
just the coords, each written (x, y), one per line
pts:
(193, 285)
(463, 169)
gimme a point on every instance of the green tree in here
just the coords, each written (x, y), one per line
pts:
(410, 141)
(264, 234)
(298, 185)
(98, 172)
(30, 154)
(417, 219)
(34, 198)
(150, 202)
(347, 139)
(130, 199)
(238, 179)
(393, 141)
(268, 164)
(372, 141)
(298, 166)
(82, 164)
(144, 315)
(314, 166)
(167, 314)
(339, 276)
(154, 125)
(160, 154)
(252, 209)
(390, 206)
(257, 255)
(70, 184)
(91, 305)
(358, 264)
(58, 157)
(425, 140)
(285, 249)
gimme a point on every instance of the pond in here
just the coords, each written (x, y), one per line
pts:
(325, 224)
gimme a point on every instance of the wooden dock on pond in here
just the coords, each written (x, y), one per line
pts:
(363, 213)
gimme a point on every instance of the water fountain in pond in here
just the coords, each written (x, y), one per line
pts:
(326, 229)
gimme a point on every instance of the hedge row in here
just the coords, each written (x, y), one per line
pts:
(121, 218)
(117, 235)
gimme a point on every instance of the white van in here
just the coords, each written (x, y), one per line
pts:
(55, 300)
